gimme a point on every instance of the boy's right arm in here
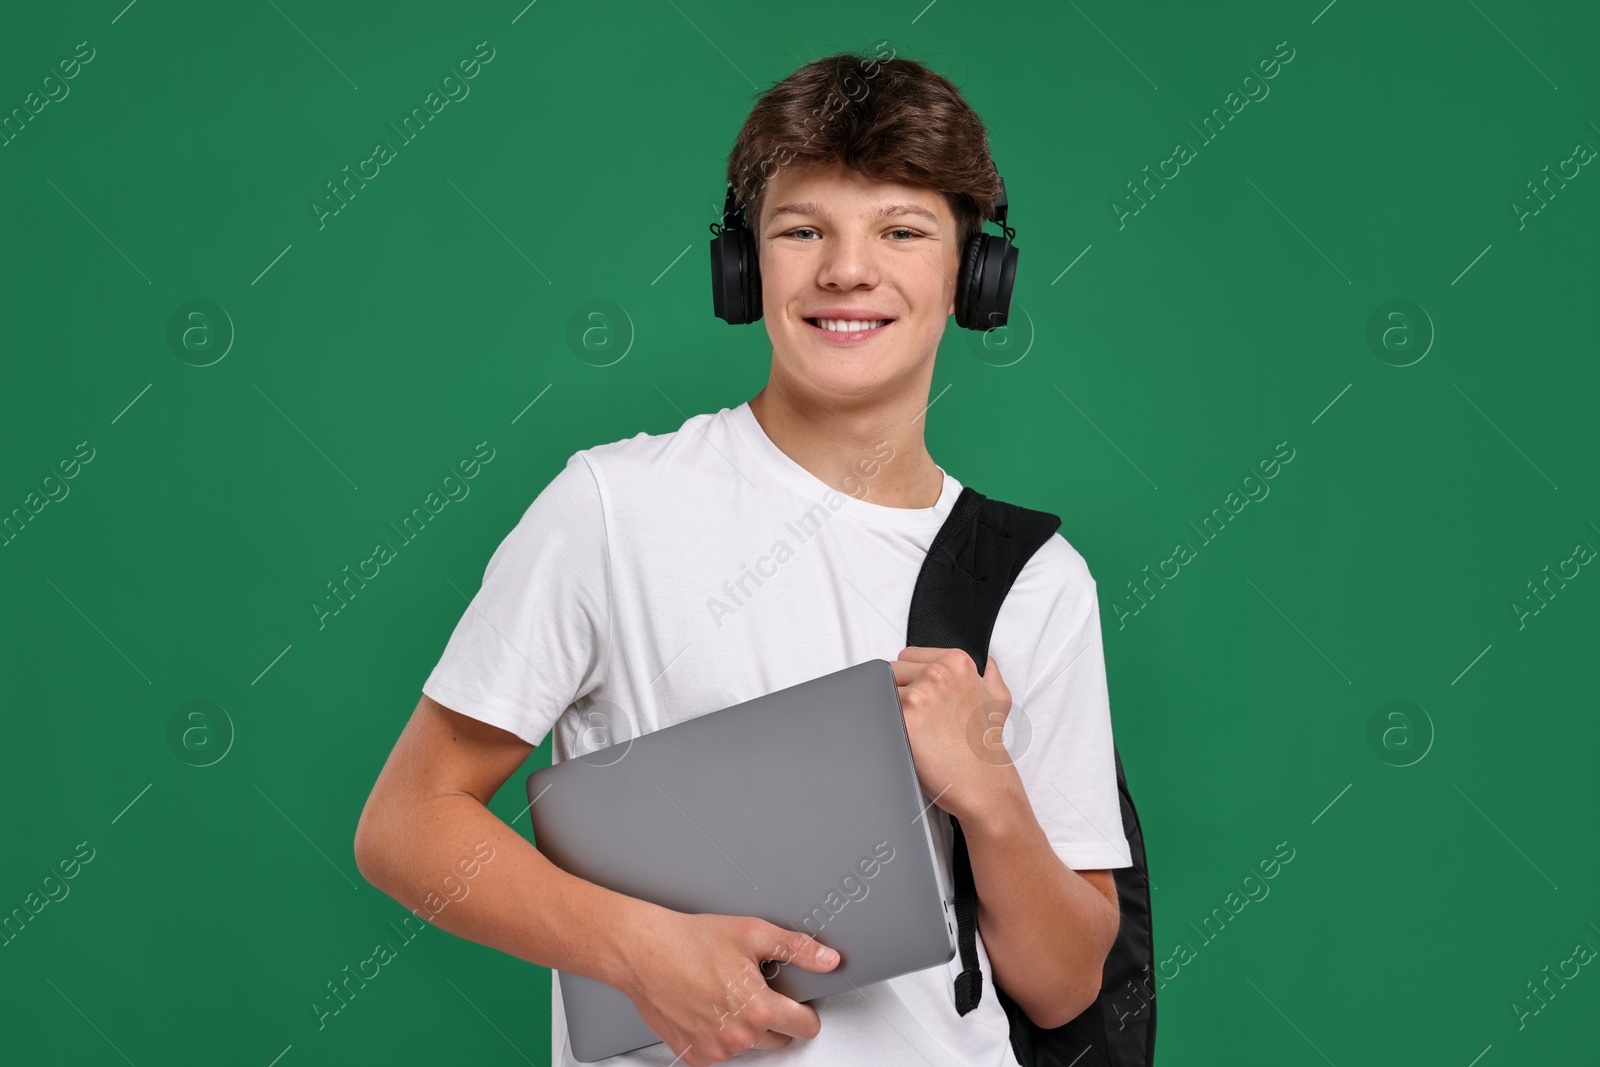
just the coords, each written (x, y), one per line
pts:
(693, 977)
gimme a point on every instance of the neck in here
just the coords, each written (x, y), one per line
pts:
(875, 453)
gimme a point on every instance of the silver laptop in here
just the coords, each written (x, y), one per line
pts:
(801, 807)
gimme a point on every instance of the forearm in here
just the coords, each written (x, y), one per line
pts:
(1046, 930)
(517, 901)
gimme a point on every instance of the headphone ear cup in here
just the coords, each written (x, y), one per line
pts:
(735, 277)
(994, 277)
(967, 280)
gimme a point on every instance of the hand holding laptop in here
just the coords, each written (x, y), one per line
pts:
(697, 981)
(752, 829)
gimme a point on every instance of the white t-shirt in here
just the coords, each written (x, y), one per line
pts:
(665, 576)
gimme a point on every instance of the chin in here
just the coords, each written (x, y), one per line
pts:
(843, 383)
(841, 380)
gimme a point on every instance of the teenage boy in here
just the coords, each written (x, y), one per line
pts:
(665, 576)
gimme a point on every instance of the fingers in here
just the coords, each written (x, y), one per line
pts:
(792, 946)
(771, 1039)
(914, 661)
(780, 1015)
(716, 1003)
(776, 1018)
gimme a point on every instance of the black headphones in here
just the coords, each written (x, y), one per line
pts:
(983, 290)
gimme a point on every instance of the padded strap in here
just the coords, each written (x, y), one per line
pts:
(970, 567)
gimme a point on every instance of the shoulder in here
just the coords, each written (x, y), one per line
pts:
(1055, 586)
(647, 454)
(1061, 561)
(1049, 616)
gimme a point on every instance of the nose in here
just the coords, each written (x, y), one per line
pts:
(848, 261)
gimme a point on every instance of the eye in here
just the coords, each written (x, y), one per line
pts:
(903, 229)
(796, 230)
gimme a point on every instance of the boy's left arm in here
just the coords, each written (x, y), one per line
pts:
(1047, 928)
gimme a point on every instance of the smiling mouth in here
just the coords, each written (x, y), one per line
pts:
(848, 326)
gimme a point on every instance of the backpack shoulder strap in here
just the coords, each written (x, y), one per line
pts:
(970, 567)
(973, 562)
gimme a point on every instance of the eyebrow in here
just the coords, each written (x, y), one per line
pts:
(812, 208)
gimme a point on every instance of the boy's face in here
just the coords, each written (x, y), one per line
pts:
(824, 247)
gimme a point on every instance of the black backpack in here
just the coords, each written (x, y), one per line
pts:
(970, 567)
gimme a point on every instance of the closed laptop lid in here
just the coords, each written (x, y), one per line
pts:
(800, 807)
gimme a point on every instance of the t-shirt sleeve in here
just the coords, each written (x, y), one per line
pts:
(535, 637)
(1067, 767)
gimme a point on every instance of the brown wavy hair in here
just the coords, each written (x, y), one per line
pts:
(891, 119)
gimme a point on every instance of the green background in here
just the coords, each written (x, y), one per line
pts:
(365, 357)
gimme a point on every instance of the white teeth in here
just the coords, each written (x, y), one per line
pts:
(850, 325)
